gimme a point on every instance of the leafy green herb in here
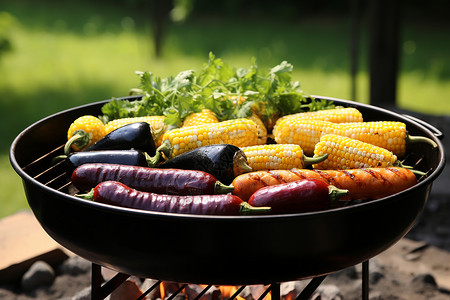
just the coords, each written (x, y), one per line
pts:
(229, 92)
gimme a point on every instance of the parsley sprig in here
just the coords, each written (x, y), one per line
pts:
(229, 92)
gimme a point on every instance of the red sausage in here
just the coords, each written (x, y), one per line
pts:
(116, 193)
(297, 196)
(160, 181)
(367, 183)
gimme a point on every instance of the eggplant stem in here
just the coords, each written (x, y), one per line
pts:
(220, 188)
(247, 209)
(166, 149)
(152, 160)
(314, 160)
(336, 193)
(420, 139)
(240, 164)
(157, 133)
(245, 167)
(80, 138)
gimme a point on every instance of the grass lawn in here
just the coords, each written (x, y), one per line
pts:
(68, 55)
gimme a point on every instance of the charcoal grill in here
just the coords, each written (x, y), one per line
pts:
(219, 250)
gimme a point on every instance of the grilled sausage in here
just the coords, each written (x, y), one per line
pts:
(116, 193)
(367, 183)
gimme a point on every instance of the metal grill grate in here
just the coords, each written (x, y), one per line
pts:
(53, 174)
(99, 291)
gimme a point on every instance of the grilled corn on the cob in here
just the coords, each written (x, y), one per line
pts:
(262, 130)
(238, 132)
(278, 157)
(156, 122)
(335, 115)
(206, 116)
(346, 153)
(391, 135)
(83, 132)
(303, 132)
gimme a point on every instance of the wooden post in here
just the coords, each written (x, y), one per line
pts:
(356, 17)
(160, 16)
(383, 51)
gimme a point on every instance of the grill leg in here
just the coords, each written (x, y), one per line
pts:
(96, 281)
(365, 280)
(310, 288)
(275, 292)
(99, 292)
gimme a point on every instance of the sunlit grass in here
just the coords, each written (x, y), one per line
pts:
(424, 94)
(12, 196)
(67, 61)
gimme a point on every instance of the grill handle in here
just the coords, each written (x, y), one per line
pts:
(437, 133)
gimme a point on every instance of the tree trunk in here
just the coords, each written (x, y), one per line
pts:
(160, 16)
(383, 51)
(356, 17)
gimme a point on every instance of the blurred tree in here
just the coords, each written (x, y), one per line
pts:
(181, 10)
(160, 12)
(7, 22)
(356, 15)
(384, 51)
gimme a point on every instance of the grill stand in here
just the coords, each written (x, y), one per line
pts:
(100, 292)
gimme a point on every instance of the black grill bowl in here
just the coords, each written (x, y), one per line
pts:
(221, 249)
